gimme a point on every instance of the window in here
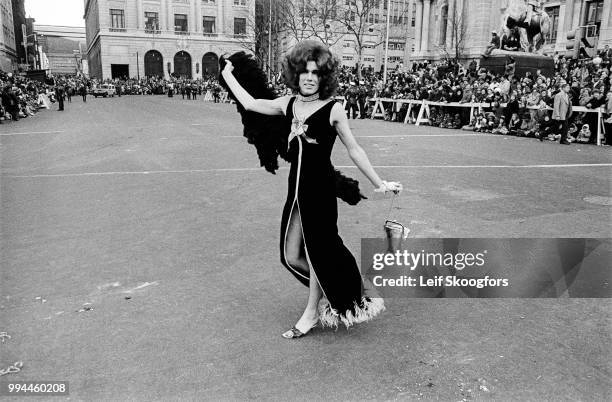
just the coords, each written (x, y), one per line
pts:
(208, 24)
(208, 1)
(117, 18)
(413, 15)
(554, 23)
(239, 26)
(594, 14)
(348, 44)
(240, 2)
(180, 23)
(151, 22)
(347, 58)
(443, 25)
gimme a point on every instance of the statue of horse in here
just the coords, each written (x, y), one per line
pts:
(534, 24)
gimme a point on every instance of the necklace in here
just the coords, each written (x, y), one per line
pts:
(309, 98)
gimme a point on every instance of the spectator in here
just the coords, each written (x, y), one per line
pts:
(562, 112)
(494, 44)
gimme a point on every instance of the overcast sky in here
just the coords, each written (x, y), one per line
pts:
(56, 12)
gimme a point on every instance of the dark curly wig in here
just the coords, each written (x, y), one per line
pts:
(300, 55)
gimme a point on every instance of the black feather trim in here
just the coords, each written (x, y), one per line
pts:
(269, 133)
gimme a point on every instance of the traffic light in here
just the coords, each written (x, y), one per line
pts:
(573, 42)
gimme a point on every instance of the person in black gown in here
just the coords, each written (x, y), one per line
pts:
(310, 247)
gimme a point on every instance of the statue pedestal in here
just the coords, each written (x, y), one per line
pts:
(498, 59)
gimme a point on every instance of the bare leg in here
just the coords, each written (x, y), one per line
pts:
(296, 256)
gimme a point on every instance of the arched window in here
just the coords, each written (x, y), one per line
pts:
(443, 24)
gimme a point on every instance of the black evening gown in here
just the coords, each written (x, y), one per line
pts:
(312, 191)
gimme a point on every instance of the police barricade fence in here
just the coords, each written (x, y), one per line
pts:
(378, 110)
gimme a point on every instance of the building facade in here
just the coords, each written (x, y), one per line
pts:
(8, 51)
(62, 48)
(182, 38)
(19, 19)
(434, 29)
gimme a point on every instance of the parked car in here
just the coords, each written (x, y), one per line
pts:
(104, 90)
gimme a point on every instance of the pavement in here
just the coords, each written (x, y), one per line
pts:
(140, 262)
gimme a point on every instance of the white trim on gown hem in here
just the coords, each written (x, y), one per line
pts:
(330, 317)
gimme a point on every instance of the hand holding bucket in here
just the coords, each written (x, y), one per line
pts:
(394, 230)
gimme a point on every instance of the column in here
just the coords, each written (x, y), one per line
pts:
(191, 18)
(139, 15)
(418, 26)
(569, 17)
(163, 18)
(425, 29)
(450, 25)
(604, 33)
(170, 15)
(220, 18)
(198, 17)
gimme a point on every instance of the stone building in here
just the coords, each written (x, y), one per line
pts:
(8, 51)
(63, 47)
(429, 29)
(342, 41)
(434, 31)
(131, 38)
(19, 19)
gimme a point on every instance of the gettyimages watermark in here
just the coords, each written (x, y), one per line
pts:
(477, 267)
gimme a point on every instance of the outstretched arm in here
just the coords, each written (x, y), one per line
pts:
(357, 154)
(264, 106)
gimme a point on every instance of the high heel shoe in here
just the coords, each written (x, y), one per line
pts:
(296, 333)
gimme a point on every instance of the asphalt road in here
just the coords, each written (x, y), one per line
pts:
(154, 211)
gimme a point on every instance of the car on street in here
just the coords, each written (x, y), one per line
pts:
(104, 90)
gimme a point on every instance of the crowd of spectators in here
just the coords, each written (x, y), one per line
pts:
(186, 88)
(20, 97)
(516, 105)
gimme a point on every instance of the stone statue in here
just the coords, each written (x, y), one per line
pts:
(533, 24)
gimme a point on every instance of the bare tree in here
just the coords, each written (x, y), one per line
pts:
(309, 19)
(356, 18)
(332, 20)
